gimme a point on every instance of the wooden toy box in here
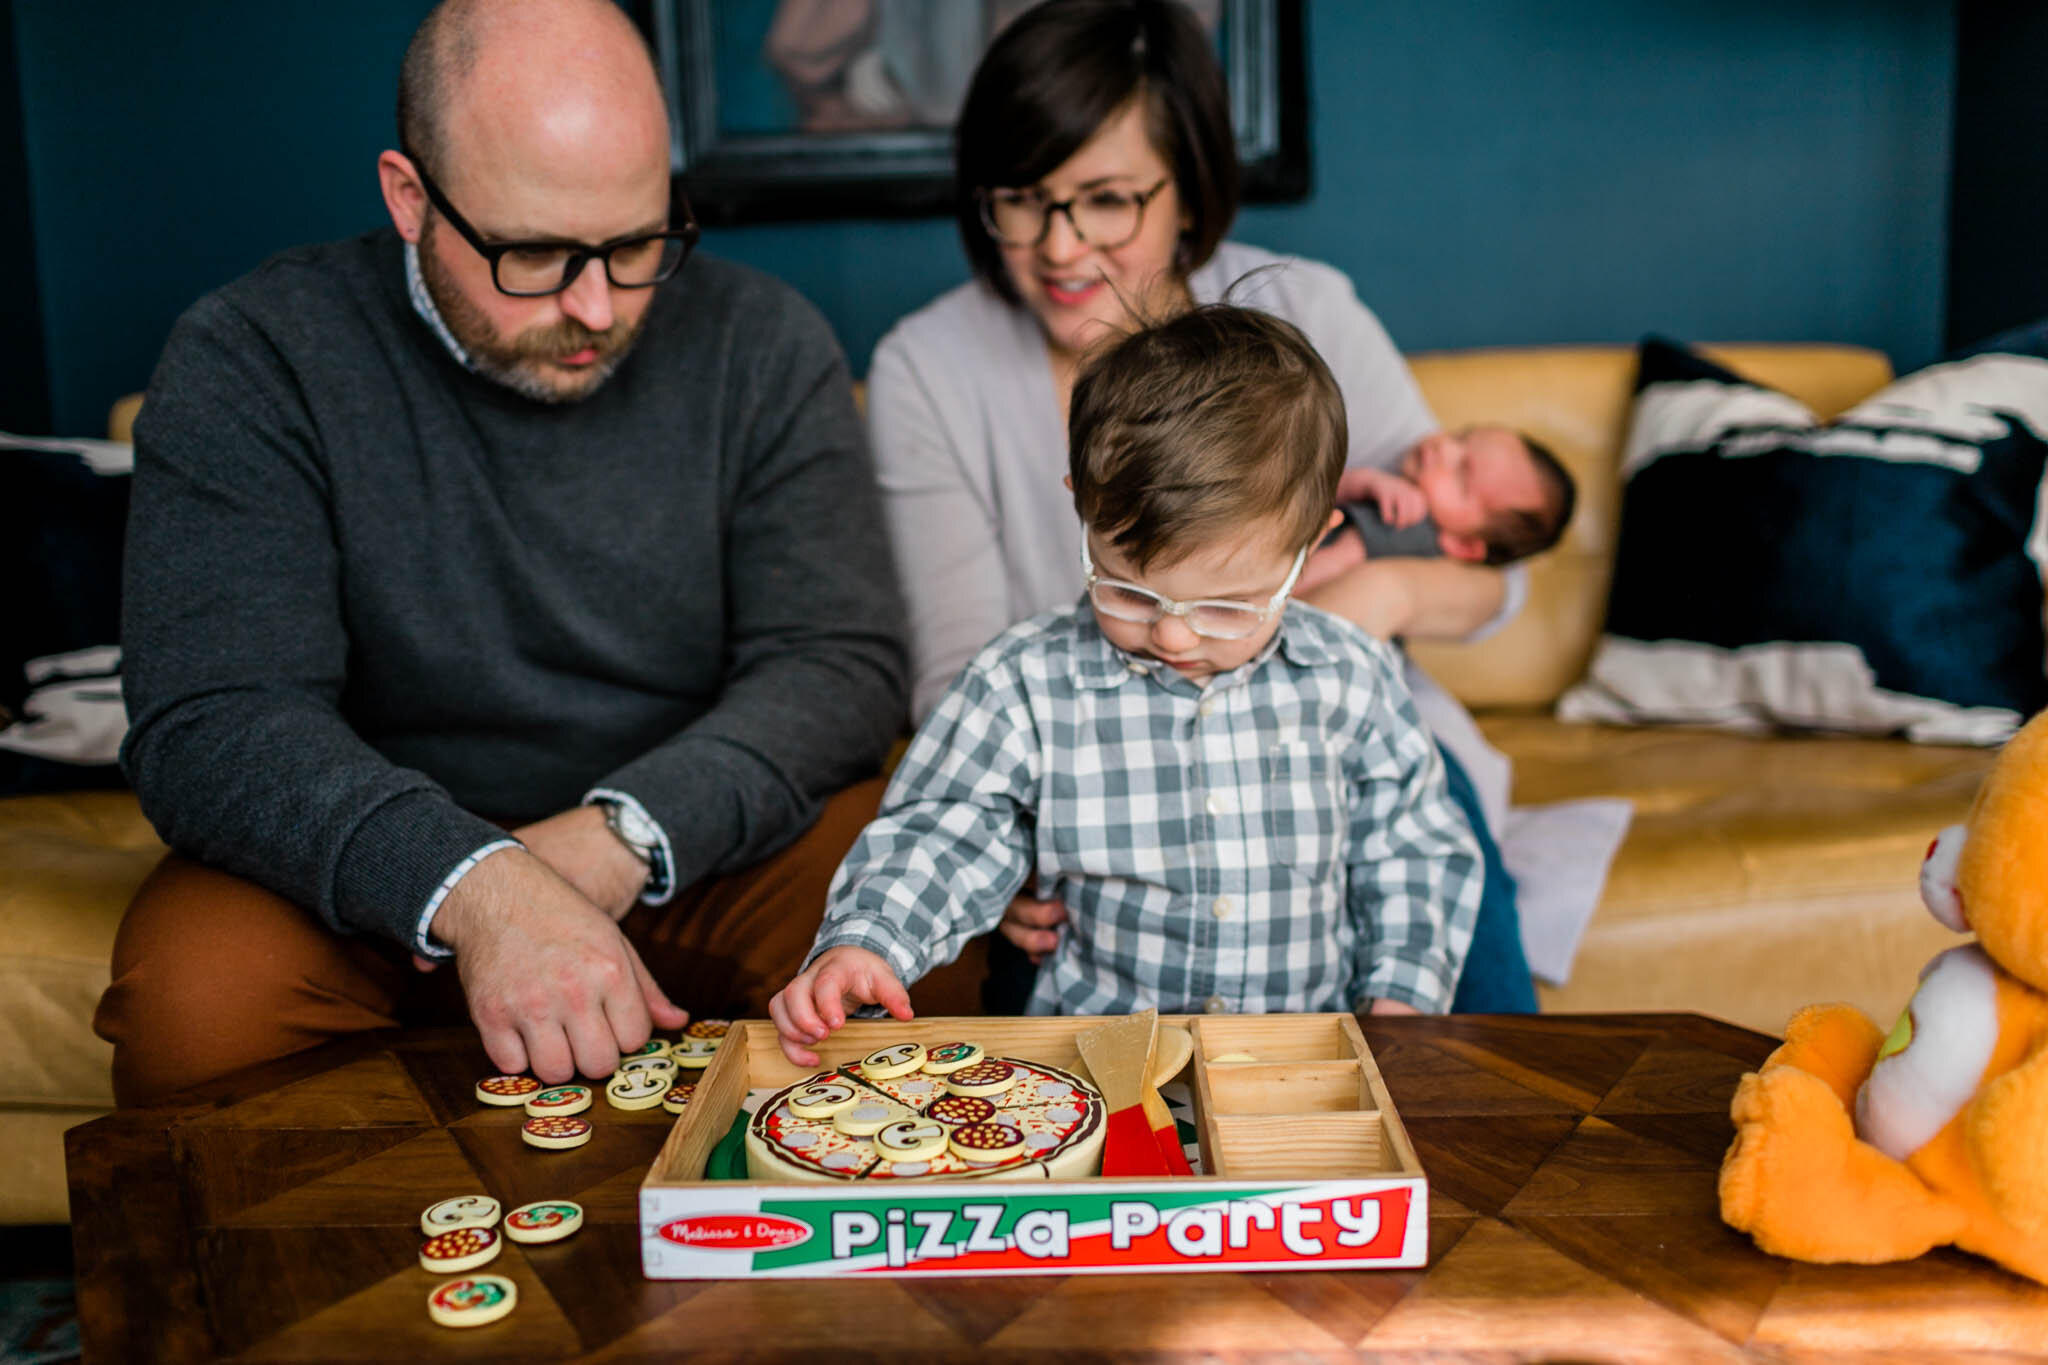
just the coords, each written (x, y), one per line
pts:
(1305, 1167)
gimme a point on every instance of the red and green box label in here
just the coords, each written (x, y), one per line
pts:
(738, 1231)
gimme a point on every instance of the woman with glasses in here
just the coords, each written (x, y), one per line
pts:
(1097, 177)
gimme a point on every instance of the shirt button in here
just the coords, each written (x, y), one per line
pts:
(1216, 1004)
(1217, 804)
(1137, 668)
(1222, 908)
(1205, 708)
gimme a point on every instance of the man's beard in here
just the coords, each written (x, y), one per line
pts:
(521, 363)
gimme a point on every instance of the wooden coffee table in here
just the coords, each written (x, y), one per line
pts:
(274, 1216)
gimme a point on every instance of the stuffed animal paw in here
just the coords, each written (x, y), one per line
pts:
(1798, 1179)
(1855, 1148)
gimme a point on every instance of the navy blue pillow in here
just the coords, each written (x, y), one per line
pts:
(63, 516)
(2028, 339)
(1881, 574)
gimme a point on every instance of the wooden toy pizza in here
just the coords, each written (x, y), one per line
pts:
(505, 1092)
(463, 1249)
(549, 1220)
(472, 1301)
(466, 1211)
(876, 1120)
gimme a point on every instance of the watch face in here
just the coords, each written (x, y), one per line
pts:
(635, 828)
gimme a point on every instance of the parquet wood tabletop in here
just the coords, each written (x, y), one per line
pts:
(274, 1216)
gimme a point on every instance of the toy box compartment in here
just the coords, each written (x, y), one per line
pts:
(1305, 1165)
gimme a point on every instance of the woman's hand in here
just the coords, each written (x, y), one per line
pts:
(1374, 594)
(1338, 555)
(1033, 925)
(1428, 599)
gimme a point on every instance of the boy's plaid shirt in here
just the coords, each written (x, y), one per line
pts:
(1281, 841)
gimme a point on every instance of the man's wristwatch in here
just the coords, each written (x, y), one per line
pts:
(641, 837)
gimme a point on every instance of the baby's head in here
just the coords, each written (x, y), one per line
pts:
(1203, 454)
(1495, 495)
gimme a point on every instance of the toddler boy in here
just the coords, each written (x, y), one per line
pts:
(1234, 800)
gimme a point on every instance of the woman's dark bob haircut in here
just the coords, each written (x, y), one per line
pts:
(1057, 74)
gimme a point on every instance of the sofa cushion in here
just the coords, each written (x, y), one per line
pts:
(1760, 873)
(63, 514)
(1575, 399)
(1881, 574)
(68, 866)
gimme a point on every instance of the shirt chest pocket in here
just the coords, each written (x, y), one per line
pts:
(1304, 811)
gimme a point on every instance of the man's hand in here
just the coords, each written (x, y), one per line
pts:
(552, 983)
(811, 1008)
(584, 852)
(1033, 925)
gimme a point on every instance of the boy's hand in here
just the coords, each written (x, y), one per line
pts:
(1391, 1007)
(811, 1008)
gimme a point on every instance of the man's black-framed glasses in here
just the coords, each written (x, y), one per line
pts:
(1105, 217)
(534, 269)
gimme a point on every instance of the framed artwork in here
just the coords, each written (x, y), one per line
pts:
(783, 109)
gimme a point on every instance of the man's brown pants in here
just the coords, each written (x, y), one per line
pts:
(212, 973)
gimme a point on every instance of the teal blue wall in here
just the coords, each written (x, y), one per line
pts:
(1489, 171)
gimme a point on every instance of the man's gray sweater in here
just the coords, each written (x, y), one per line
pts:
(375, 603)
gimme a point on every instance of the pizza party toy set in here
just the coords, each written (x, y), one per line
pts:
(1037, 1146)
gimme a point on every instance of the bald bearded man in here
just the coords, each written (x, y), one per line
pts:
(505, 586)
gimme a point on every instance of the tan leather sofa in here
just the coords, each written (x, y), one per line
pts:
(1759, 874)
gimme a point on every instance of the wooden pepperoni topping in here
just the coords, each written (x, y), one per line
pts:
(982, 1076)
(557, 1126)
(508, 1086)
(708, 1028)
(958, 1109)
(453, 1246)
(679, 1095)
(986, 1140)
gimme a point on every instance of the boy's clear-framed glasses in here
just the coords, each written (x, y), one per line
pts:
(1211, 618)
(1105, 218)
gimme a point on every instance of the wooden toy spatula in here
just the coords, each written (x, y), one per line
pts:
(1118, 1055)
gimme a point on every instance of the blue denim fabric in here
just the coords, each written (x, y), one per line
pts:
(1496, 979)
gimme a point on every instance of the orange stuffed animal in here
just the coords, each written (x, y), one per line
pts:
(1851, 1146)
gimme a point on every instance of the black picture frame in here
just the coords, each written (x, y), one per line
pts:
(764, 177)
